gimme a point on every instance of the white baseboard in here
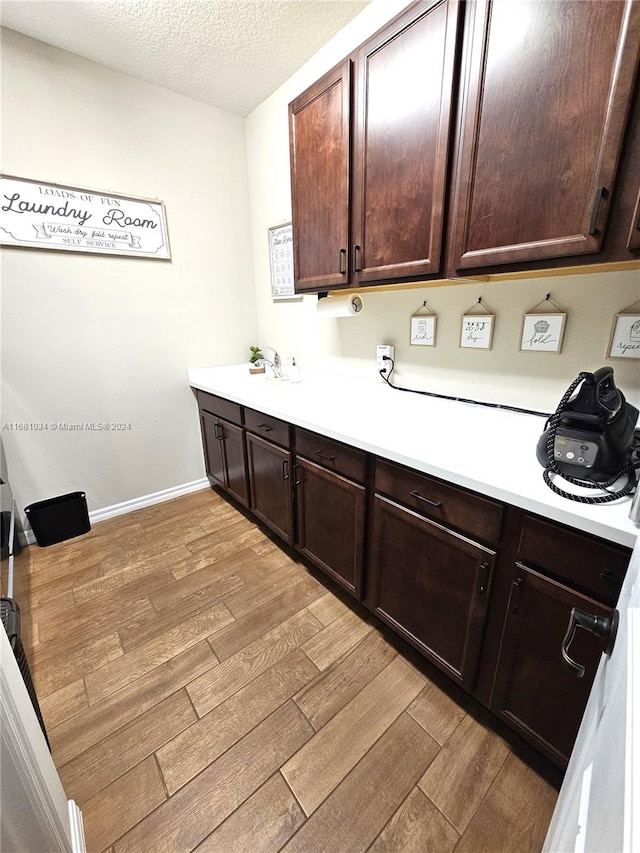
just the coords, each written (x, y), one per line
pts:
(148, 500)
(136, 503)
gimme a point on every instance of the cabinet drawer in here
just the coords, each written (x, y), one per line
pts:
(590, 564)
(331, 454)
(267, 426)
(466, 511)
(219, 406)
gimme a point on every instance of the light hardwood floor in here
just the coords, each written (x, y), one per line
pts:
(203, 690)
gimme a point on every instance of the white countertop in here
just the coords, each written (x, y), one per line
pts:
(488, 450)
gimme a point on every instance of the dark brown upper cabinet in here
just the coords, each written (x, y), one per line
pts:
(385, 220)
(404, 86)
(320, 139)
(545, 93)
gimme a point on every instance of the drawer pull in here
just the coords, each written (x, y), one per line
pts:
(265, 427)
(416, 494)
(322, 455)
(605, 627)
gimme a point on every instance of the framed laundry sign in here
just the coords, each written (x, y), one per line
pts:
(423, 327)
(477, 328)
(542, 332)
(543, 327)
(625, 335)
(281, 261)
(42, 215)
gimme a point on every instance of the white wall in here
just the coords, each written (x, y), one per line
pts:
(348, 345)
(98, 338)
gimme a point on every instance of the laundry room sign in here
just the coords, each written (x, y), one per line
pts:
(39, 215)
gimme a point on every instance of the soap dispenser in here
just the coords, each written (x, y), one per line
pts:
(294, 371)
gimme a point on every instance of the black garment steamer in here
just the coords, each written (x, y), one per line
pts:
(589, 439)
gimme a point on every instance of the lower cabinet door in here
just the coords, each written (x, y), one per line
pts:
(270, 485)
(235, 458)
(330, 528)
(534, 691)
(432, 586)
(213, 450)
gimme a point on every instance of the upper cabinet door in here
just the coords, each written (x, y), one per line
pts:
(545, 95)
(404, 92)
(319, 137)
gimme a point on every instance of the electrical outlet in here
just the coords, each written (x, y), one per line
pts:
(384, 359)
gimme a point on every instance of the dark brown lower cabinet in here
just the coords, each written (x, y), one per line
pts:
(330, 529)
(270, 483)
(426, 574)
(534, 692)
(432, 586)
(225, 456)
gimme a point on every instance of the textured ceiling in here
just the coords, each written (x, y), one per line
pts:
(231, 54)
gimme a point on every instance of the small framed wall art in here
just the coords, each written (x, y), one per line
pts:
(624, 341)
(281, 261)
(423, 328)
(477, 328)
(542, 330)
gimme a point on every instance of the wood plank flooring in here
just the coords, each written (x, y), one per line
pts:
(203, 690)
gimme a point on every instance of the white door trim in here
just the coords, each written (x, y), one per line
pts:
(35, 810)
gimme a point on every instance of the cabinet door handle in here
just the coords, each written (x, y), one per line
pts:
(595, 210)
(516, 591)
(218, 432)
(416, 494)
(356, 259)
(342, 262)
(265, 427)
(484, 577)
(285, 469)
(605, 627)
(321, 455)
(296, 468)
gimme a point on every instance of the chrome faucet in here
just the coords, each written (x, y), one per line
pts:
(275, 364)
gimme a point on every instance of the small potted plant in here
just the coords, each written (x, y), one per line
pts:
(256, 363)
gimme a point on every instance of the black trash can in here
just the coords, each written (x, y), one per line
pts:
(57, 519)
